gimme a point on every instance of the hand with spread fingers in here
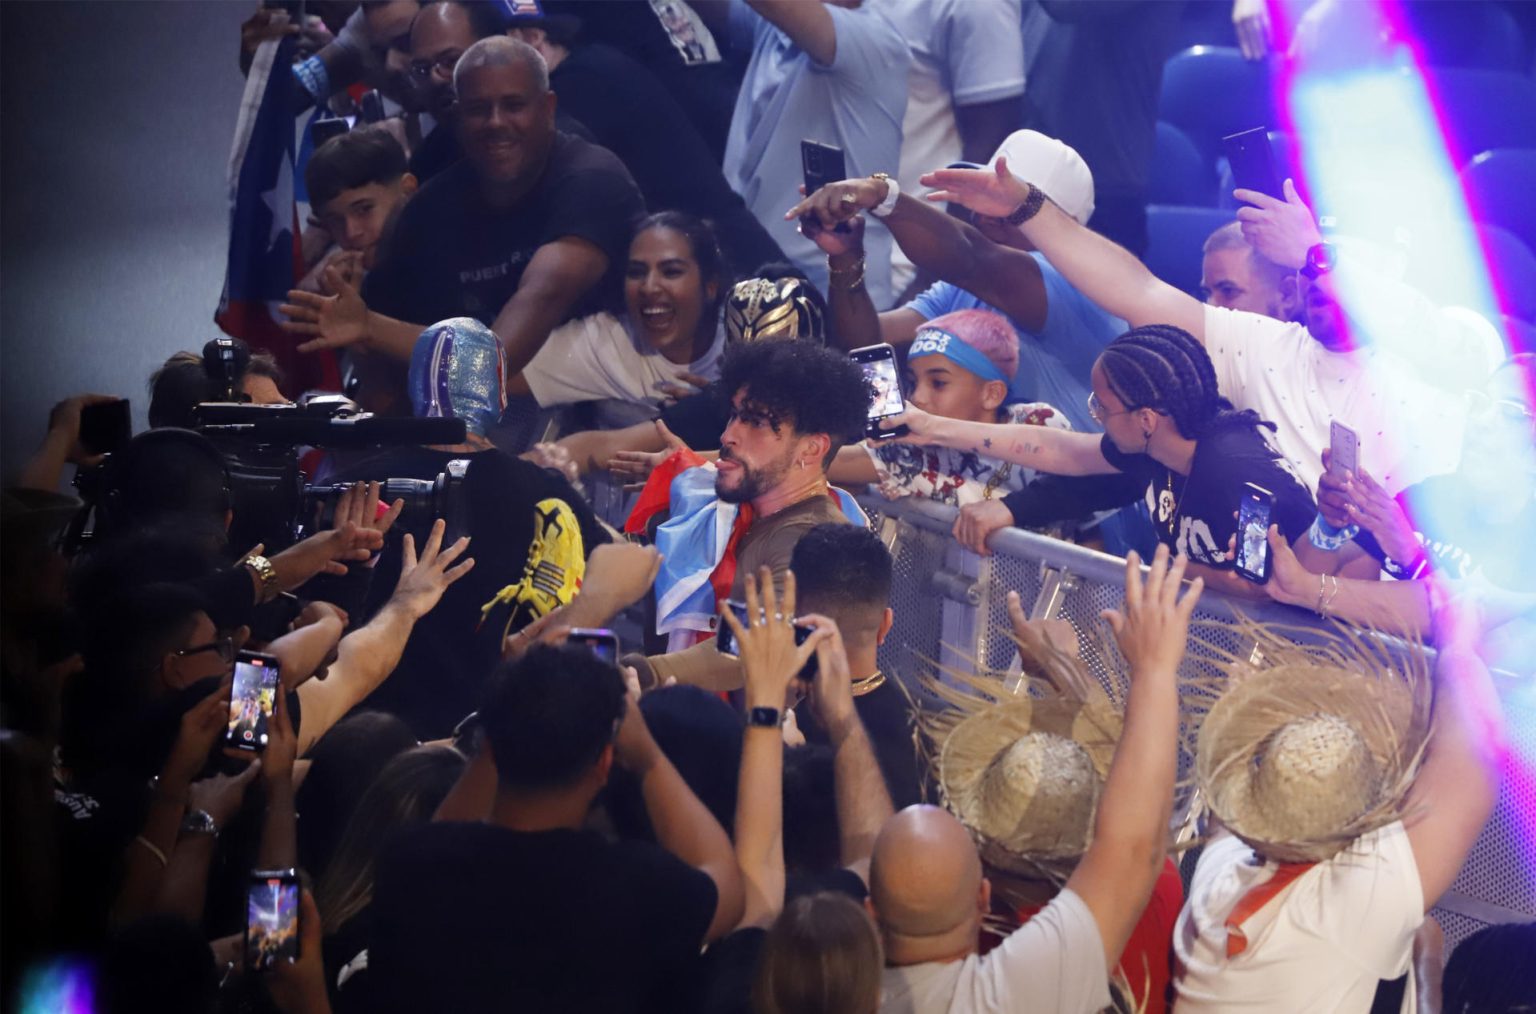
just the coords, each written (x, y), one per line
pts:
(770, 659)
(1037, 634)
(638, 465)
(1152, 626)
(1374, 509)
(423, 580)
(330, 322)
(994, 191)
(1280, 230)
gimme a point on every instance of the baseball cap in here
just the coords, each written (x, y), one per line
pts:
(1054, 167)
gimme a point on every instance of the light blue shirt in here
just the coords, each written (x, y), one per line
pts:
(1054, 362)
(856, 103)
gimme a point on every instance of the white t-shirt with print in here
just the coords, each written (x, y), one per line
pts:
(1053, 964)
(1321, 944)
(596, 358)
(957, 477)
(1408, 430)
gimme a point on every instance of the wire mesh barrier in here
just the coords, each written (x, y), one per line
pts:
(950, 607)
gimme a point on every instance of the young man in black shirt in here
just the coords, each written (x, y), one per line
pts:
(524, 234)
(528, 911)
(844, 572)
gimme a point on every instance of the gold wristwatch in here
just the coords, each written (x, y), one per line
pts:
(265, 572)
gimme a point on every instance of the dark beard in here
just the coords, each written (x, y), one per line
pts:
(747, 490)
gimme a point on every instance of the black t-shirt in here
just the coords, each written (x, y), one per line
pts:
(475, 917)
(1194, 514)
(888, 723)
(453, 649)
(631, 114)
(1456, 541)
(699, 419)
(452, 255)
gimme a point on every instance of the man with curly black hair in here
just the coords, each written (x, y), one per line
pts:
(792, 405)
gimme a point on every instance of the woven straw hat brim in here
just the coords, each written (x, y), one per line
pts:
(1053, 828)
(1380, 708)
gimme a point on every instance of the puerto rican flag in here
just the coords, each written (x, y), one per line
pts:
(267, 210)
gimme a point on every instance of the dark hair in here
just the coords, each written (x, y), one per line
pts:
(812, 388)
(838, 563)
(407, 791)
(703, 244)
(821, 956)
(810, 810)
(351, 160)
(1491, 971)
(343, 764)
(163, 473)
(486, 17)
(182, 383)
(1164, 368)
(549, 715)
(701, 735)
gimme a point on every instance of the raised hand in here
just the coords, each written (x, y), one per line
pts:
(423, 580)
(333, 322)
(1281, 231)
(360, 506)
(220, 796)
(200, 726)
(770, 659)
(1374, 509)
(638, 465)
(282, 743)
(1152, 627)
(995, 192)
(831, 692)
(1333, 493)
(1037, 634)
(1250, 19)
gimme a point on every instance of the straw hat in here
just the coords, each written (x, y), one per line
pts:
(1315, 745)
(1024, 774)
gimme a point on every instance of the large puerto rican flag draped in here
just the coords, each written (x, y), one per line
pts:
(265, 187)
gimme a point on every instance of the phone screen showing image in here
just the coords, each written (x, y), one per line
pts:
(252, 697)
(271, 918)
(1253, 533)
(601, 642)
(879, 365)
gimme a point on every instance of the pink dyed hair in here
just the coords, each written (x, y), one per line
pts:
(987, 332)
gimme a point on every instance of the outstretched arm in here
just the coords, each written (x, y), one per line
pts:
(1458, 783)
(1106, 273)
(808, 26)
(1058, 452)
(1130, 832)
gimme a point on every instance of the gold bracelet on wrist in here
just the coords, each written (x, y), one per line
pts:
(266, 575)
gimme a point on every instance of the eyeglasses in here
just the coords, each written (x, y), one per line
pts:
(1507, 410)
(1099, 413)
(445, 62)
(225, 646)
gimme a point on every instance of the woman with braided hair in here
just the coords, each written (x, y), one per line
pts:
(1154, 392)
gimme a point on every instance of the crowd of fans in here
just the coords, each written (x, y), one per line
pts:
(580, 235)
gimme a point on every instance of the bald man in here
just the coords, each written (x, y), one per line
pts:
(928, 893)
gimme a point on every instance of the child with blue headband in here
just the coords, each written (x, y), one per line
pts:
(960, 365)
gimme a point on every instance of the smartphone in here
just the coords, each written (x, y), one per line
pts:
(1253, 161)
(106, 426)
(603, 643)
(322, 130)
(271, 918)
(822, 164)
(1253, 533)
(725, 637)
(1345, 451)
(879, 365)
(371, 107)
(252, 698)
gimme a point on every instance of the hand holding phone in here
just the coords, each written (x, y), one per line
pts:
(1253, 513)
(105, 426)
(252, 700)
(1344, 450)
(822, 164)
(601, 641)
(1253, 162)
(271, 919)
(725, 638)
(879, 365)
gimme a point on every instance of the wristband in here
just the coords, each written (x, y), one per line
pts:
(1328, 538)
(892, 195)
(265, 572)
(314, 79)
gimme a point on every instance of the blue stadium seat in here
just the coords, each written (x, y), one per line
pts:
(1501, 189)
(1512, 269)
(1485, 109)
(1179, 175)
(1467, 33)
(1211, 91)
(1175, 236)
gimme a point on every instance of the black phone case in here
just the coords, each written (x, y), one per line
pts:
(1253, 162)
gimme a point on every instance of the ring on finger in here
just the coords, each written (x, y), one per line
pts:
(778, 617)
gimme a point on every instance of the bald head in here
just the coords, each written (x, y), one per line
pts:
(926, 885)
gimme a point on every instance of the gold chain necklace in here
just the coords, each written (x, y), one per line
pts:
(869, 684)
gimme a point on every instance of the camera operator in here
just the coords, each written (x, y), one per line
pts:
(527, 522)
(183, 383)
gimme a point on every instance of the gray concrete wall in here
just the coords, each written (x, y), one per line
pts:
(115, 127)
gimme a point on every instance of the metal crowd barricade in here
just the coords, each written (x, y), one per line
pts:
(950, 607)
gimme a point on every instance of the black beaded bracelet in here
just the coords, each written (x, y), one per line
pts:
(1029, 209)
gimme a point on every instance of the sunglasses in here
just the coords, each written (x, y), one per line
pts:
(225, 646)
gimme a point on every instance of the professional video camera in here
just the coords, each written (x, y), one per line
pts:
(261, 446)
